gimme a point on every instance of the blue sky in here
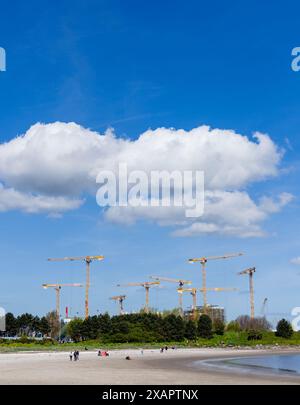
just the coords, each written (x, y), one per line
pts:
(132, 66)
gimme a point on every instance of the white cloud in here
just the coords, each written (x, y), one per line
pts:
(51, 166)
(229, 160)
(65, 158)
(268, 205)
(296, 260)
(11, 199)
(226, 213)
(55, 159)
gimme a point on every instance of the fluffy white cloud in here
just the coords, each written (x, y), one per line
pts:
(62, 158)
(50, 167)
(228, 159)
(296, 260)
(55, 159)
(11, 199)
(227, 213)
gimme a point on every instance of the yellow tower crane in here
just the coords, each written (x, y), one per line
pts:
(57, 288)
(120, 299)
(87, 260)
(147, 285)
(250, 272)
(181, 283)
(203, 261)
(194, 290)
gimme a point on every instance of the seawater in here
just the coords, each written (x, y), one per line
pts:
(284, 363)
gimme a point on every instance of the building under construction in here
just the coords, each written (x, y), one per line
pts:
(215, 312)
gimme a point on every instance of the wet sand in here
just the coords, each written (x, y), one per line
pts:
(171, 367)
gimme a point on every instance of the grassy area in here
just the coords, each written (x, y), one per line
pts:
(229, 339)
(240, 339)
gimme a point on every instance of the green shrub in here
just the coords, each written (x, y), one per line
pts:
(253, 334)
(46, 342)
(284, 329)
(23, 340)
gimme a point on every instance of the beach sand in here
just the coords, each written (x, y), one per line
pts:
(172, 367)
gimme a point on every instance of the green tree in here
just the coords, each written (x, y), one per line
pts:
(74, 329)
(219, 327)
(190, 331)
(87, 329)
(44, 326)
(174, 311)
(173, 327)
(35, 324)
(205, 327)
(284, 329)
(104, 323)
(11, 324)
(25, 323)
(120, 325)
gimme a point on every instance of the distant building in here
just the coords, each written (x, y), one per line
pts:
(213, 311)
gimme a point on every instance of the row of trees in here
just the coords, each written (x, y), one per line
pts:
(139, 327)
(30, 325)
(169, 327)
(142, 327)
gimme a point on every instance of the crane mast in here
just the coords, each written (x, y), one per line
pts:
(120, 299)
(57, 288)
(181, 283)
(87, 260)
(203, 261)
(146, 285)
(250, 273)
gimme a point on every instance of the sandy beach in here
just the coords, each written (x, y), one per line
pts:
(171, 367)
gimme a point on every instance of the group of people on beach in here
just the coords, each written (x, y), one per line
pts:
(103, 353)
(74, 355)
(165, 348)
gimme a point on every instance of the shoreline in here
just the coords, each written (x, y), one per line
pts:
(212, 369)
(175, 367)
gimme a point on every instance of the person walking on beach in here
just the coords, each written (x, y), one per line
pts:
(71, 356)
